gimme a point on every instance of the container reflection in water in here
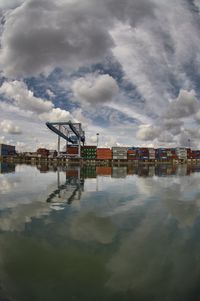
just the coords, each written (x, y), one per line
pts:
(134, 237)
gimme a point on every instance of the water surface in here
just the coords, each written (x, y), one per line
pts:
(109, 234)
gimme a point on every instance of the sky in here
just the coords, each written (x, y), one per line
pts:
(128, 70)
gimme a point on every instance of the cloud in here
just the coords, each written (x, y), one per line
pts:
(29, 113)
(166, 137)
(50, 93)
(10, 4)
(197, 3)
(95, 89)
(24, 100)
(148, 132)
(185, 105)
(65, 34)
(56, 114)
(137, 56)
(8, 126)
(17, 91)
(172, 125)
(77, 35)
(89, 227)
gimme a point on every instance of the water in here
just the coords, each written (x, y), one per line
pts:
(99, 234)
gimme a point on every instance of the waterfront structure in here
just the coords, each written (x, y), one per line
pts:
(90, 153)
(7, 150)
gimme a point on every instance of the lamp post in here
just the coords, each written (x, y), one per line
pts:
(97, 139)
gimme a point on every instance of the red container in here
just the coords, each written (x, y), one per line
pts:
(104, 154)
(104, 171)
(131, 152)
(72, 150)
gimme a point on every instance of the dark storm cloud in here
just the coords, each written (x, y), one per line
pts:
(132, 11)
(40, 35)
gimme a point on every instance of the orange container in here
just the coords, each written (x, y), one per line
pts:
(72, 150)
(104, 154)
(130, 151)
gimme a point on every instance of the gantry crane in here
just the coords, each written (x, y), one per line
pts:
(71, 132)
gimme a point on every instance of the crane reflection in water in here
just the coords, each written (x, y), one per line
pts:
(69, 191)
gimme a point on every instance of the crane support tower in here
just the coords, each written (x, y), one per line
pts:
(72, 133)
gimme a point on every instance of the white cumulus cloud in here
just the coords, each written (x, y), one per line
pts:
(9, 127)
(95, 89)
(17, 92)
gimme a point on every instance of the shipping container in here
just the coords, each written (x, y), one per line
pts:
(152, 153)
(7, 150)
(119, 153)
(72, 150)
(181, 153)
(104, 154)
(161, 154)
(132, 154)
(88, 152)
(195, 154)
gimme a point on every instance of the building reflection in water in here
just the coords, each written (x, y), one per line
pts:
(6, 167)
(73, 186)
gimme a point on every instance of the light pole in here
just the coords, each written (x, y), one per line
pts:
(97, 139)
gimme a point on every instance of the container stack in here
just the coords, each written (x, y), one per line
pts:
(88, 152)
(143, 153)
(161, 154)
(181, 153)
(189, 153)
(172, 154)
(132, 153)
(104, 154)
(152, 154)
(7, 150)
(195, 154)
(72, 150)
(119, 153)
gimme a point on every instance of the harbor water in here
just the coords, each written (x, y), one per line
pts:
(99, 233)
